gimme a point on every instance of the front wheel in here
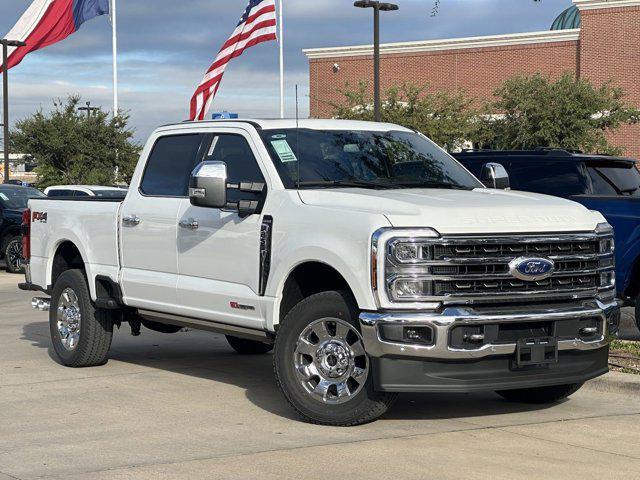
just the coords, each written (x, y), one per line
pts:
(80, 332)
(540, 395)
(321, 364)
(13, 254)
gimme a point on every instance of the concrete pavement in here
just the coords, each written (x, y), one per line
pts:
(185, 406)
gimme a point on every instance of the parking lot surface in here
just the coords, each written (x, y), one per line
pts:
(185, 406)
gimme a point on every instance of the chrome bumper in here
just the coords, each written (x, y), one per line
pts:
(442, 323)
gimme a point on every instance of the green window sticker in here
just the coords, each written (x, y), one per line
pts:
(3, 196)
(283, 149)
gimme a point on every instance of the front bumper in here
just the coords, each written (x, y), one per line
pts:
(441, 367)
(442, 324)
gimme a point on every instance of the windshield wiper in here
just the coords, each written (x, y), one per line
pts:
(445, 185)
(344, 184)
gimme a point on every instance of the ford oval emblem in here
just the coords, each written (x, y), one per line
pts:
(532, 269)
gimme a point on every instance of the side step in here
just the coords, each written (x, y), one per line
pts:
(197, 324)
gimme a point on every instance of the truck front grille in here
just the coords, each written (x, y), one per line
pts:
(477, 269)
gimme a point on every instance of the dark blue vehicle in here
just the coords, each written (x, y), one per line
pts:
(13, 201)
(610, 185)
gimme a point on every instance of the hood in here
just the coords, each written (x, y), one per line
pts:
(461, 211)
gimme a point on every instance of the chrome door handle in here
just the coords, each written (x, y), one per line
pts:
(189, 224)
(131, 220)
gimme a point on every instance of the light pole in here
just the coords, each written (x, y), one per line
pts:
(5, 97)
(377, 8)
(89, 109)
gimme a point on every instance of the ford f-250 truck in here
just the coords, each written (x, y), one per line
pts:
(365, 256)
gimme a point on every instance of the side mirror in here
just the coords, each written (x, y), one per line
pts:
(494, 175)
(208, 185)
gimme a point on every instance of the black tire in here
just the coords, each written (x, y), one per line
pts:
(12, 251)
(96, 325)
(638, 313)
(540, 395)
(364, 406)
(248, 347)
(161, 327)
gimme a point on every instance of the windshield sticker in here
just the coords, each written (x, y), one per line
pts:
(283, 149)
(352, 148)
(4, 197)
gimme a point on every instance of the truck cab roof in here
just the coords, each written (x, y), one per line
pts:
(289, 123)
(542, 153)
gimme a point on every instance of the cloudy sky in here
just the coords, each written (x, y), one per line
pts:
(166, 45)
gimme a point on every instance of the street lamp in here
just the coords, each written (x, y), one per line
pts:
(377, 8)
(5, 96)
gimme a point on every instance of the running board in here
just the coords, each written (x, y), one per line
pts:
(215, 327)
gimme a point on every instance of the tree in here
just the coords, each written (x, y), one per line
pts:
(71, 148)
(534, 111)
(446, 118)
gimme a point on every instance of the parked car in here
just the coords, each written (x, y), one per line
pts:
(362, 253)
(85, 191)
(13, 201)
(610, 185)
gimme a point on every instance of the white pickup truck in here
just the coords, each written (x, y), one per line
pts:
(364, 255)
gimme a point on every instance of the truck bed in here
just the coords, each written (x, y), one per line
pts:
(90, 224)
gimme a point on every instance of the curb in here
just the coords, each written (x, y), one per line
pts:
(615, 382)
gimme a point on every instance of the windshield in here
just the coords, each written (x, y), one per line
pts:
(335, 158)
(17, 198)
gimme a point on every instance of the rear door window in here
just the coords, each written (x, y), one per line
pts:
(557, 178)
(615, 179)
(170, 164)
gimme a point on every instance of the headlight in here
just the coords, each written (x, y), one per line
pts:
(409, 289)
(410, 252)
(399, 275)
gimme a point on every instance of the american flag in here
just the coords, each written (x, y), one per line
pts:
(258, 24)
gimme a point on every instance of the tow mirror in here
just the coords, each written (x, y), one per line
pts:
(494, 175)
(208, 185)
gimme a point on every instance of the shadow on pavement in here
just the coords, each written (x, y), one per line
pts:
(207, 356)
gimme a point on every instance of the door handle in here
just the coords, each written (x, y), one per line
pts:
(189, 224)
(131, 220)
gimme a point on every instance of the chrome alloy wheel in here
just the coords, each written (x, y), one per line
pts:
(68, 319)
(14, 254)
(330, 361)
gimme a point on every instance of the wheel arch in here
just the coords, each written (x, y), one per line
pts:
(307, 277)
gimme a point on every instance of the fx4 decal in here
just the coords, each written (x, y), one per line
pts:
(40, 217)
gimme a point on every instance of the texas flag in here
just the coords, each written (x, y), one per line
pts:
(49, 21)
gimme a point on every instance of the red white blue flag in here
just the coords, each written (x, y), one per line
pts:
(257, 24)
(49, 21)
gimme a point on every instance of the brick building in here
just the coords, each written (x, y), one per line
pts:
(595, 39)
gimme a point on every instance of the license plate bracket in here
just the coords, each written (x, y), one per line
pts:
(536, 352)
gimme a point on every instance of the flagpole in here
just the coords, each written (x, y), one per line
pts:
(281, 61)
(114, 27)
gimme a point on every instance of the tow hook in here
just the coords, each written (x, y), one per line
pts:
(41, 304)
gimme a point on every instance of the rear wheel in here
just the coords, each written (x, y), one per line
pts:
(248, 347)
(321, 364)
(12, 251)
(80, 332)
(540, 395)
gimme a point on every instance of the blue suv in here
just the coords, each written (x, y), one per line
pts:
(13, 201)
(610, 185)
